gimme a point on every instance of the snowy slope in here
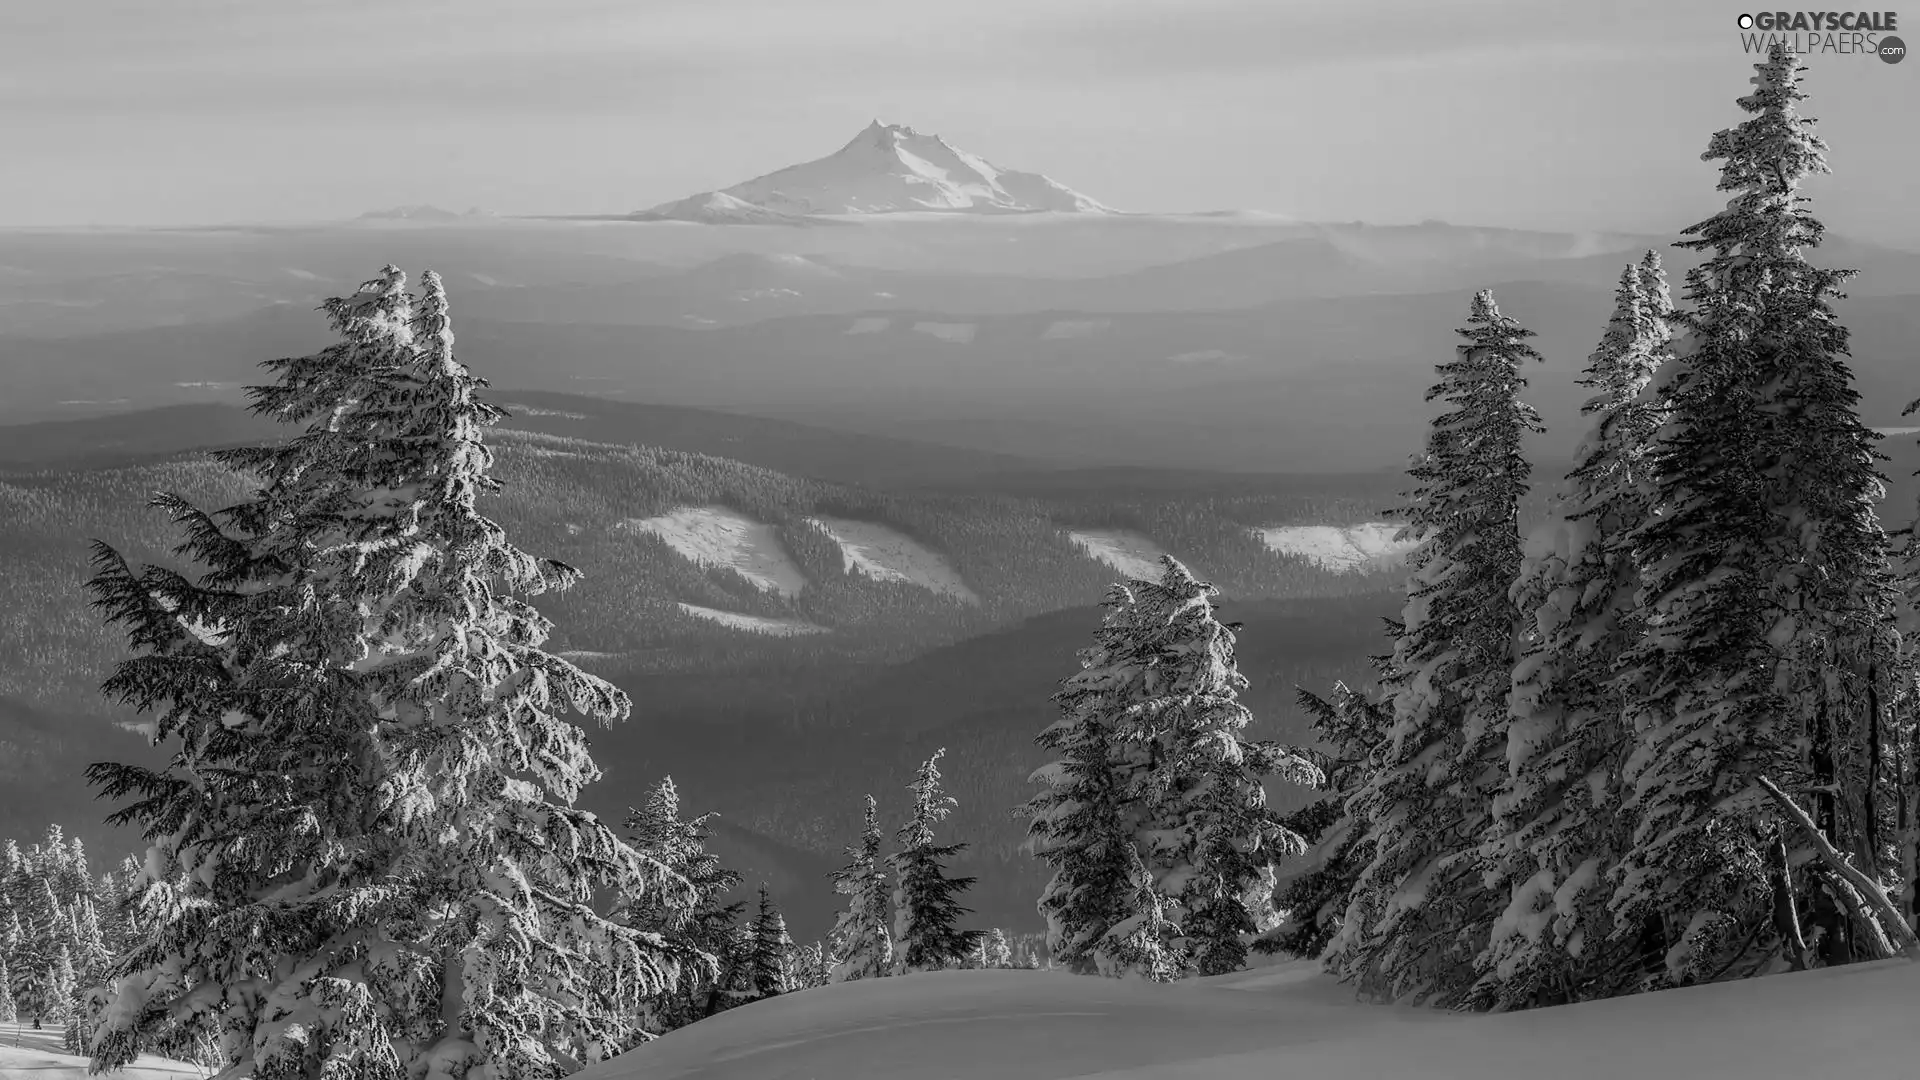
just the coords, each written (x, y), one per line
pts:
(717, 536)
(753, 624)
(888, 168)
(889, 555)
(1340, 547)
(1289, 1021)
(1132, 554)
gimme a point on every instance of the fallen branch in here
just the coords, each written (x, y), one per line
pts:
(1868, 892)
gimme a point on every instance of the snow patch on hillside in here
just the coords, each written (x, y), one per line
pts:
(1288, 1021)
(755, 624)
(957, 333)
(869, 326)
(888, 555)
(1128, 552)
(1370, 545)
(1897, 430)
(1074, 328)
(717, 536)
(1207, 356)
(533, 410)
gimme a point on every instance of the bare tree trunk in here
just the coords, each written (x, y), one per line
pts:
(1786, 914)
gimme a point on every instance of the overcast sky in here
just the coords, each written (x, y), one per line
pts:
(1533, 113)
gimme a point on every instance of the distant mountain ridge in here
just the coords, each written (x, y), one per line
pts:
(887, 168)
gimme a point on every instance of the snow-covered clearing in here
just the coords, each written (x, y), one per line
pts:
(717, 536)
(26, 1054)
(1289, 1021)
(1074, 328)
(587, 655)
(872, 325)
(756, 624)
(1128, 552)
(888, 555)
(1340, 547)
(957, 333)
(519, 409)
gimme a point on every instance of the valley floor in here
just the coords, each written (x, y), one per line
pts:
(1288, 1021)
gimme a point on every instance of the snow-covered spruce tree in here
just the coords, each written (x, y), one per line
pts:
(1205, 830)
(1767, 584)
(994, 950)
(862, 937)
(365, 859)
(8, 1013)
(772, 958)
(1558, 830)
(812, 965)
(684, 905)
(1082, 823)
(1313, 897)
(925, 904)
(1420, 913)
(37, 981)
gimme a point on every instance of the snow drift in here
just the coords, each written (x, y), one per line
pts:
(1289, 1021)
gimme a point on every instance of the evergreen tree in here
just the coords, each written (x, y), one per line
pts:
(994, 950)
(925, 902)
(772, 959)
(684, 904)
(8, 1014)
(1768, 589)
(1559, 830)
(1420, 913)
(813, 965)
(1145, 945)
(734, 985)
(14, 956)
(365, 857)
(1204, 829)
(1313, 898)
(1082, 824)
(861, 939)
(37, 959)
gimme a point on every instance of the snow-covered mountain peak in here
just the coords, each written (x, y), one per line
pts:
(887, 168)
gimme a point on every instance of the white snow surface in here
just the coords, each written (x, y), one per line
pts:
(888, 168)
(754, 624)
(869, 325)
(889, 555)
(717, 536)
(1370, 545)
(1074, 328)
(1130, 553)
(956, 333)
(1288, 1021)
(26, 1054)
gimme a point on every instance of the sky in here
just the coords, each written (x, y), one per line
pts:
(1522, 113)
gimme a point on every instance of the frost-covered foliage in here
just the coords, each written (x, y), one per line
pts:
(1154, 773)
(862, 937)
(1083, 824)
(994, 951)
(365, 859)
(1420, 914)
(1558, 828)
(52, 941)
(1767, 583)
(1193, 783)
(683, 902)
(925, 904)
(1312, 898)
